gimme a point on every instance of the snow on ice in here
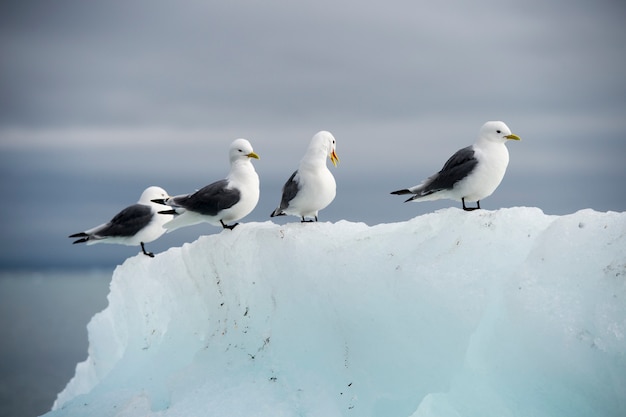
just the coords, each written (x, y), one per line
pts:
(491, 313)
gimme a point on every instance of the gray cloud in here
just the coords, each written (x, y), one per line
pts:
(99, 100)
(197, 63)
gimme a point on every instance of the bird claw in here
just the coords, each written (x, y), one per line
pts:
(143, 249)
(228, 226)
(470, 208)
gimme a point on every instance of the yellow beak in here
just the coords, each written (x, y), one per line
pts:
(334, 158)
(253, 155)
(512, 136)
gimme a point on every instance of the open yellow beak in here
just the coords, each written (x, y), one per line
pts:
(334, 158)
(253, 155)
(512, 136)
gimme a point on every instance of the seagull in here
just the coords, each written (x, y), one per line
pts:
(135, 225)
(223, 201)
(472, 173)
(312, 186)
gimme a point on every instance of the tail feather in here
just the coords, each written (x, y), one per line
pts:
(184, 220)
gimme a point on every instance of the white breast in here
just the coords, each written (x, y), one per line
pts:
(493, 159)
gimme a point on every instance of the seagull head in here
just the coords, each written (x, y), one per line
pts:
(152, 193)
(496, 132)
(241, 149)
(326, 141)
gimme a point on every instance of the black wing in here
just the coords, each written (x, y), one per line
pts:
(127, 222)
(210, 200)
(460, 165)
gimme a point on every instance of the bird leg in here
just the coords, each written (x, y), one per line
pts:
(226, 226)
(150, 254)
(470, 208)
(308, 221)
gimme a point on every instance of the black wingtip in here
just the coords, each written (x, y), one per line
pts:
(167, 212)
(84, 237)
(159, 201)
(276, 213)
(401, 192)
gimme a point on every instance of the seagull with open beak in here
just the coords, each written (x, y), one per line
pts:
(312, 186)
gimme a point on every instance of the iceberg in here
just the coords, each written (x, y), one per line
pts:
(489, 313)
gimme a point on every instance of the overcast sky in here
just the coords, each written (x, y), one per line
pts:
(99, 100)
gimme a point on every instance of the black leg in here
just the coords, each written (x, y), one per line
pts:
(470, 208)
(227, 226)
(150, 254)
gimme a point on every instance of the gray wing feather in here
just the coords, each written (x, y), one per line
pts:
(127, 222)
(290, 189)
(460, 165)
(209, 200)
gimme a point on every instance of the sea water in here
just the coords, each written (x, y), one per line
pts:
(43, 334)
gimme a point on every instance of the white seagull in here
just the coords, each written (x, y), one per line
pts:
(135, 225)
(223, 201)
(312, 186)
(472, 173)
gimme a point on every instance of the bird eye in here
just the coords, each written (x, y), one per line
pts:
(498, 131)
